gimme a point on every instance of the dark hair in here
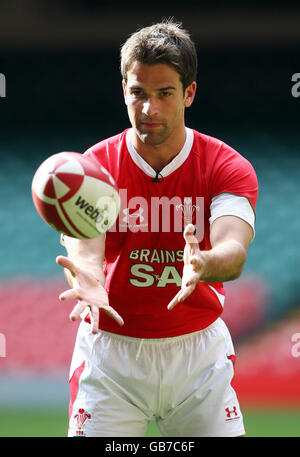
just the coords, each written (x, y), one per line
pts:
(165, 42)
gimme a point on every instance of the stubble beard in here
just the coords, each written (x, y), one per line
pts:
(153, 138)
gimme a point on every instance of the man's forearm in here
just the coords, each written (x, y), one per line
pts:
(92, 268)
(87, 255)
(223, 262)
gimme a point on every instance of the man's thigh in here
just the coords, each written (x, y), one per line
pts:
(106, 399)
(202, 400)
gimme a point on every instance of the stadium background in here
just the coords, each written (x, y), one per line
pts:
(63, 92)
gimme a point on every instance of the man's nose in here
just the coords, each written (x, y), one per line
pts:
(150, 107)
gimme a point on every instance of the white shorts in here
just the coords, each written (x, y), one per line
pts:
(118, 384)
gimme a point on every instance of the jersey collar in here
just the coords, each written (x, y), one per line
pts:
(172, 166)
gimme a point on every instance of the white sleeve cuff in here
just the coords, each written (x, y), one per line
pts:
(232, 205)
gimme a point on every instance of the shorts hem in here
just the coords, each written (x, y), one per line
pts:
(225, 435)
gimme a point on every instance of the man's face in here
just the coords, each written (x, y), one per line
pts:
(155, 101)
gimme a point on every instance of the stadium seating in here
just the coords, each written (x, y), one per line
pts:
(268, 366)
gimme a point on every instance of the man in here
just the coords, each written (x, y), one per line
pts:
(159, 349)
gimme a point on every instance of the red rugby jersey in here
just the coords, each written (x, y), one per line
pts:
(144, 249)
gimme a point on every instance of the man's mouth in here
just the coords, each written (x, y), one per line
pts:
(151, 125)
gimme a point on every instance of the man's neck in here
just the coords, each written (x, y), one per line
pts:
(158, 156)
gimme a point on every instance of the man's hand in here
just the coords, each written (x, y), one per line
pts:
(89, 292)
(230, 237)
(193, 266)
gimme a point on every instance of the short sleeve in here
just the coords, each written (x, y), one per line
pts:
(231, 173)
(232, 205)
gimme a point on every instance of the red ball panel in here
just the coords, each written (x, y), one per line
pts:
(49, 214)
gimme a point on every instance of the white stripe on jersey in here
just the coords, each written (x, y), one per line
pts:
(232, 205)
(178, 160)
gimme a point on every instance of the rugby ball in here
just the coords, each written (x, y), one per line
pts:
(75, 196)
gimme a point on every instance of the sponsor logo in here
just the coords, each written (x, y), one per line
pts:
(155, 267)
(131, 218)
(90, 210)
(231, 414)
(103, 213)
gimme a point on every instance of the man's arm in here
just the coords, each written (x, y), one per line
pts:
(230, 237)
(87, 254)
(84, 273)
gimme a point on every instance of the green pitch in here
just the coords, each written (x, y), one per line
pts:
(40, 423)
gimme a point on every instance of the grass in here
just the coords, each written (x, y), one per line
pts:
(40, 423)
(272, 423)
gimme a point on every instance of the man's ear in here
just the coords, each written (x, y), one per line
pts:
(190, 93)
(124, 85)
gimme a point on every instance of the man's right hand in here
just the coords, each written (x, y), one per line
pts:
(89, 292)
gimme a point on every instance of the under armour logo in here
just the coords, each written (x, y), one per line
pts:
(230, 412)
(136, 215)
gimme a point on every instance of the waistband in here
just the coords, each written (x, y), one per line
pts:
(172, 339)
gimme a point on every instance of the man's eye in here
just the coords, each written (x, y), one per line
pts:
(136, 92)
(165, 93)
